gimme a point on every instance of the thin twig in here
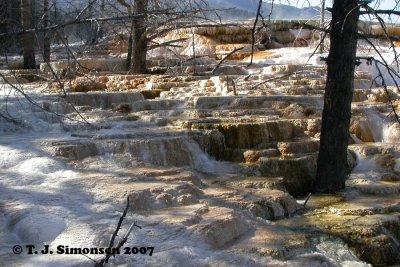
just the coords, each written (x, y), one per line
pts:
(121, 219)
(226, 57)
(307, 199)
(28, 98)
(253, 31)
(272, 79)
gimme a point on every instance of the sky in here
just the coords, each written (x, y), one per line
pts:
(383, 4)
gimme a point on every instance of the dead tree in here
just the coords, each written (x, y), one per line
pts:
(339, 89)
(130, 39)
(46, 37)
(152, 19)
(336, 115)
(139, 38)
(28, 39)
(321, 25)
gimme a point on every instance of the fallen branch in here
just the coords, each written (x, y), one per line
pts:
(111, 248)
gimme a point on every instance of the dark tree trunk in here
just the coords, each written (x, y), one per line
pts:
(28, 39)
(55, 11)
(130, 46)
(5, 13)
(46, 37)
(336, 115)
(5, 8)
(139, 38)
(130, 39)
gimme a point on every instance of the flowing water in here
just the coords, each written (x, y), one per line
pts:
(67, 184)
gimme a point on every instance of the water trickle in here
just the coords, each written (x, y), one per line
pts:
(391, 133)
(364, 164)
(162, 168)
(159, 151)
(337, 251)
(36, 227)
(376, 123)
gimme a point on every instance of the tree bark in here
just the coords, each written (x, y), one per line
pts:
(139, 38)
(339, 89)
(130, 47)
(321, 25)
(55, 11)
(28, 39)
(46, 37)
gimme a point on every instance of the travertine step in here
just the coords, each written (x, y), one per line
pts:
(302, 146)
(157, 104)
(256, 195)
(236, 102)
(298, 172)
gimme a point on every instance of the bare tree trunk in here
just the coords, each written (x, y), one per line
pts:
(139, 38)
(321, 25)
(46, 37)
(339, 89)
(130, 39)
(5, 13)
(5, 8)
(55, 11)
(28, 39)
(130, 46)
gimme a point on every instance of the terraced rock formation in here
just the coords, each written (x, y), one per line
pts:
(212, 164)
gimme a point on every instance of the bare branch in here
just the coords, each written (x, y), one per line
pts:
(226, 57)
(253, 31)
(122, 241)
(381, 12)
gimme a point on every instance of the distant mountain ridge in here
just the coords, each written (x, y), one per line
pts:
(247, 8)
